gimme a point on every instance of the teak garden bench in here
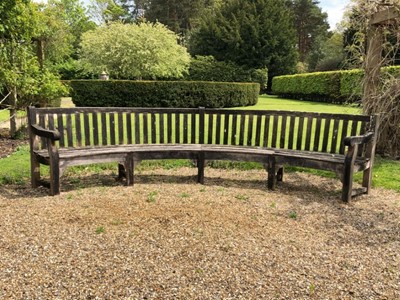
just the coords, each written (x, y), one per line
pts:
(63, 137)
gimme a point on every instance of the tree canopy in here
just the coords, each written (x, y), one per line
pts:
(255, 34)
(24, 80)
(311, 25)
(134, 51)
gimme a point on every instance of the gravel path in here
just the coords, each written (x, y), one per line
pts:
(170, 238)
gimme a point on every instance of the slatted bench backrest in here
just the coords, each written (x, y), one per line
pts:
(88, 127)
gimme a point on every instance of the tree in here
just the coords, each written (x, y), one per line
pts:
(332, 54)
(60, 27)
(180, 16)
(105, 11)
(24, 80)
(251, 33)
(311, 25)
(134, 51)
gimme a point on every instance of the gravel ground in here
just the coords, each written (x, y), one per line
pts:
(171, 238)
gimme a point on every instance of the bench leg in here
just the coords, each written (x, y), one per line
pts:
(367, 179)
(279, 174)
(271, 172)
(121, 171)
(54, 177)
(35, 172)
(348, 173)
(129, 170)
(200, 168)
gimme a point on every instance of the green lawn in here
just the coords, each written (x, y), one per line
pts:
(15, 169)
(267, 102)
(5, 115)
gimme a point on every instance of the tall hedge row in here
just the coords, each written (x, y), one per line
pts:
(127, 93)
(333, 86)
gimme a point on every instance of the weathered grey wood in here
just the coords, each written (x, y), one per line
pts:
(291, 121)
(162, 129)
(345, 127)
(69, 131)
(96, 131)
(111, 126)
(121, 127)
(348, 173)
(250, 131)
(60, 128)
(234, 130)
(300, 134)
(308, 145)
(335, 136)
(154, 126)
(54, 168)
(87, 127)
(317, 134)
(274, 130)
(137, 128)
(185, 128)
(282, 137)
(193, 128)
(266, 130)
(226, 129)
(177, 128)
(201, 125)
(104, 129)
(188, 136)
(241, 129)
(218, 130)
(271, 172)
(210, 128)
(78, 130)
(325, 135)
(169, 127)
(258, 132)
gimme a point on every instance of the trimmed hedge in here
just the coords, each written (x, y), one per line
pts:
(191, 94)
(334, 86)
(318, 86)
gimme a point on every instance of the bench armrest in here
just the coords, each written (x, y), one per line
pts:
(46, 133)
(359, 139)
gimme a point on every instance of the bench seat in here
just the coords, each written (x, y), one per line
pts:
(127, 156)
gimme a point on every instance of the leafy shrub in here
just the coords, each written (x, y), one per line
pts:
(351, 85)
(47, 91)
(319, 86)
(206, 68)
(126, 93)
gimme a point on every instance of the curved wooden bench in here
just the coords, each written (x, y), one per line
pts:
(63, 137)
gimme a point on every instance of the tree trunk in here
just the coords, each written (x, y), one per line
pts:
(13, 112)
(373, 63)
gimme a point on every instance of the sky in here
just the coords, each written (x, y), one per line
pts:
(335, 10)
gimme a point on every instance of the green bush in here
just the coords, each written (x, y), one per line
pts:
(318, 86)
(126, 93)
(351, 85)
(335, 86)
(206, 68)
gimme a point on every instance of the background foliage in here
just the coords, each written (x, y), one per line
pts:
(134, 51)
